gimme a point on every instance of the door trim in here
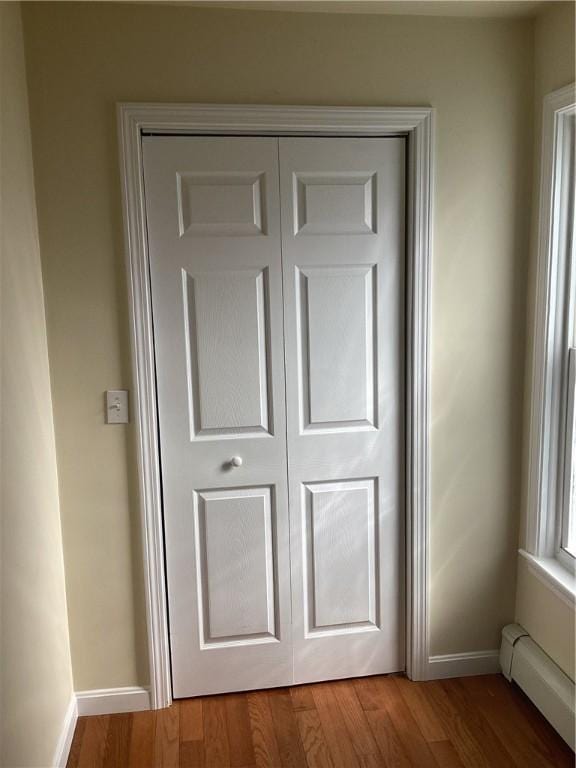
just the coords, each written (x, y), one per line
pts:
(417, 124)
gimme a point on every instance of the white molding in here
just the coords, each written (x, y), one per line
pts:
(420, 200)
(552, 573)
(417, 125)
(269, 120)
(111, 701)
(145, 416)
(564, 556)
(543, 459)
(463, 664)
(66, 735)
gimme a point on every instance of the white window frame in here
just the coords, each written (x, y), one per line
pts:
(569, 457)
(549, 414)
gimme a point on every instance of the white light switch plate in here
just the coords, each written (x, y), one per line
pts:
(117, 406)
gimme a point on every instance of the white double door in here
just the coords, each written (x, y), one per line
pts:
(277, 273)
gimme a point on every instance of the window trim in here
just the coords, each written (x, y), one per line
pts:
(548, 414)
(564, 556)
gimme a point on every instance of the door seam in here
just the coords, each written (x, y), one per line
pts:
(285, 366)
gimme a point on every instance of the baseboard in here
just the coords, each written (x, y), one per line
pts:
(541, 679)
(66, 735)
(111, 701)
(463, 664)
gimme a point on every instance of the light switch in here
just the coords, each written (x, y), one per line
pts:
(117, 406)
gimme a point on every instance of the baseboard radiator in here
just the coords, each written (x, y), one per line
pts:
(523, 661)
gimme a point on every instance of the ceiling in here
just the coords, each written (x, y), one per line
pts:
(471, 8)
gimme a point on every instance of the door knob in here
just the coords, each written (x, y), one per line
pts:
(236, 461)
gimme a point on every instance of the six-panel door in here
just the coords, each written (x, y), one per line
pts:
(227, 364)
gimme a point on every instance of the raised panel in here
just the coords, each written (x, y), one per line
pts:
(335, 203)
(221, 204)
(340, 556)
(235, 557)
(336, 337)
(227, 335)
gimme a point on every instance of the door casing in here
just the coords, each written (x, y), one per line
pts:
(417, 124)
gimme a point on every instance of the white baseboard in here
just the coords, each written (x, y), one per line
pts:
(110, 701)
(463, 664)
(66, 735)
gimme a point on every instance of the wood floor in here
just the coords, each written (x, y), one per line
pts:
(478, 722)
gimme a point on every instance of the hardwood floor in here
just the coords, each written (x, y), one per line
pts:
(474, 722)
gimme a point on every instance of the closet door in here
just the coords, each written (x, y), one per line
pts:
(342, 204)
(214, 238)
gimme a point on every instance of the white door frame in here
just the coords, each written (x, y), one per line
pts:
(417, 125)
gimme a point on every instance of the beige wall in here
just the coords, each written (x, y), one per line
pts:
(553, 51)
(478, 74)
(35, 666)
(548, 619)
(544, 615)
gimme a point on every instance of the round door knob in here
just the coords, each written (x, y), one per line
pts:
(236, 461)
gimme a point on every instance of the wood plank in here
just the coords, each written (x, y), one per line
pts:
(341, 748)
(313, 739)
(388, 743)
(216, 747)
(367, 693)
(521, 740)
(406, 728)
(141, 752)
(286, 729)
(239, 731)
(192, 754)
(445, 754)
(355, 719)
(94, 742)
(541, 726)
(372, 761)
(266, 751)
(481, 685)
(383, 721)
(414, 694)
(167, 737)
(493, 749)
(302, 698)
(455, 723)
(74, 754)
(117, 750)
(191, 722)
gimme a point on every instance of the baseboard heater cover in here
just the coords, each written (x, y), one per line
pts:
(552, 691)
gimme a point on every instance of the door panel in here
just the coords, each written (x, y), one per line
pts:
(228, 310)
(235, 563)
(334, 203)
(215, 258)
(340, 562)
(335, 308)
(221, 203)
(343, 262)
